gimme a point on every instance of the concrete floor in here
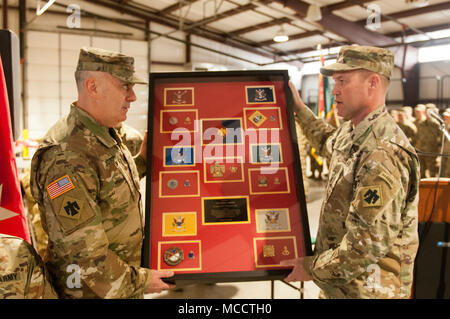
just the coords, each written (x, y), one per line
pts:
(257, 289)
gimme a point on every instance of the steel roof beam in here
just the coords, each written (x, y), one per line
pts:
(295, 37)
(260, 26)
(351, 31)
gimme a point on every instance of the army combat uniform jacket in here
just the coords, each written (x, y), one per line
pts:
(87, 187)
(367, 237)
(22, 272)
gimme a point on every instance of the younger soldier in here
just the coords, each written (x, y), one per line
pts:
(407, 127)
(367, 238)
(428, 141)
(445, 170)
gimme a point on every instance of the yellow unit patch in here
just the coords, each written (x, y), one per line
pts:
(371, 196)
(180, 224)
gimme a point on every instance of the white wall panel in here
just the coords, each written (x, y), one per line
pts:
(166, 68)
(42, 40)
(43, 73)
(73, 42)
(42, 56)
(69, 58)
(51, 88)
(39, 90)
(163, 49)
(106, 43)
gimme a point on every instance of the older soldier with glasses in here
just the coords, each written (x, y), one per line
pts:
(86, 184)
(367, 238)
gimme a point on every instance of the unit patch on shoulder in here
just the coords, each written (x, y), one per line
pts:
(60, 186)
(71, 208)
(371, 196)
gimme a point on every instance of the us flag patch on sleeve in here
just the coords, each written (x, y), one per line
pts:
(60, 186)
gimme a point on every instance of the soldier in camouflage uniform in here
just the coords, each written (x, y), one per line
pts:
(130, 137)
(301, 139)
(408, 111)
(428, 141)
(40, 238)
(86, 184)
(22, 272)
(367, 238)
(394, 115)
(420, 112)
(407, 127)
(445, 169)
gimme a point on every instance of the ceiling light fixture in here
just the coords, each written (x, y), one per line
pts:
(313, 14)
(418, 3)
(281, 36)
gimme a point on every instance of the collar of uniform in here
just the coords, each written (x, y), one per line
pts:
(362, 127)
(100, 131)
(342, 142)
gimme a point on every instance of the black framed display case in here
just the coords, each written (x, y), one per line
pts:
(224, 196)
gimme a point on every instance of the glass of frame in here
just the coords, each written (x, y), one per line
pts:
(224, 194)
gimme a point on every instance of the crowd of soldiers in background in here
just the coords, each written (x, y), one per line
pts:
(425, 134)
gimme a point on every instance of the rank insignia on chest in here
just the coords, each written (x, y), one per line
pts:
(371, 196)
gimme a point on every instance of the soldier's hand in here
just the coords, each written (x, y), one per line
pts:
(298, 273)
(298, 102)
(143, 150)
(156, 284)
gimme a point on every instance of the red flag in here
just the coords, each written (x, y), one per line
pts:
(12, 212)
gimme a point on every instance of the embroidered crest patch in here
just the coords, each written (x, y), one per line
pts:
(71, 208)
(371, 196)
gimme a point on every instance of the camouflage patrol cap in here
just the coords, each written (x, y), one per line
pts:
(117, 64)
(421, 107)
(350, 57)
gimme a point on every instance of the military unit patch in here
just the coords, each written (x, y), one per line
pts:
(371, 196)
(71, 208)
(180, 255)
(270, 251)
(272, 220)
(257, 118)
(173, 256)
(264, 94)
(223, 169)
(183, 96)
(267, 180)
(179, 224)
